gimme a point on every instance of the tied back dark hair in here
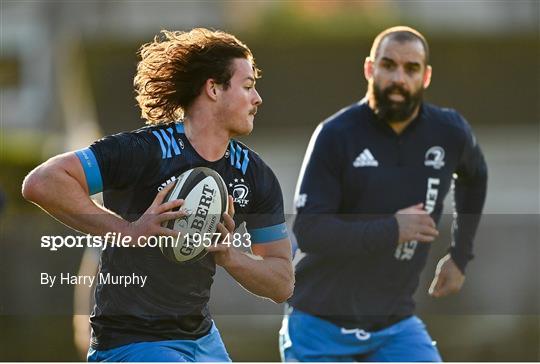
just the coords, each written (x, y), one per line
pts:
(175, 66)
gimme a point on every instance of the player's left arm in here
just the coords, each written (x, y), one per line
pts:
(470, 187)
(268, 272)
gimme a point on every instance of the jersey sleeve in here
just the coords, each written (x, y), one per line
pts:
(319, 222)
(115, 161)
(470, 186)
(266, 220)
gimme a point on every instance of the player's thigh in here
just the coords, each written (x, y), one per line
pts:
(410, 343)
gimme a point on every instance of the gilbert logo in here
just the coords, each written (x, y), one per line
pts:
(239, 192)
(435, 157)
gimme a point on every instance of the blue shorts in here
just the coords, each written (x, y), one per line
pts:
(304, 337)
(208, 348)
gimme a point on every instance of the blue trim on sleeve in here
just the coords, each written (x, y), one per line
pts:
(269, 234)
(91, 170)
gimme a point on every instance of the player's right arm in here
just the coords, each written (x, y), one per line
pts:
(318, 198)
(61, 188)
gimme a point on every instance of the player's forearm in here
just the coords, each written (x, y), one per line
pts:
(53, 189)
(270, 277)
(332, 236)
(469, 200)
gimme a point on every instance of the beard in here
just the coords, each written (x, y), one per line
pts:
(393, 111)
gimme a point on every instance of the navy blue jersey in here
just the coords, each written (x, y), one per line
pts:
(130, 168)
(356, 175)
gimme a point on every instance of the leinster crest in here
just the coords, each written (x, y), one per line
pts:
(434, 157)
(239, 192)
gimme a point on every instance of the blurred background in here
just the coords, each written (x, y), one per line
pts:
(66, 73)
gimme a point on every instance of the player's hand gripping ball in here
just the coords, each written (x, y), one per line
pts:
(205, 199)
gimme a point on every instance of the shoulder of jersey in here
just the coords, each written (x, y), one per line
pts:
(344, 118)
(165, 137)
(446, 117)
(241, 157)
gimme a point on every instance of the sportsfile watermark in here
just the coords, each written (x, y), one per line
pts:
(69, 279)
(119, 240)
(503, 277)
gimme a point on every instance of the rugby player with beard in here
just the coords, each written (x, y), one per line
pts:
(368, 200)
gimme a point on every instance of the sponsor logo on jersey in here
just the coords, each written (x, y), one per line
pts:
(434, 157)
(170, 180)
(405, 251)
(432, 193)
(365, 159)
(301, 200)
(239, 192)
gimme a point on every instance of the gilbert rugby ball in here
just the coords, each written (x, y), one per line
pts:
(205, 198)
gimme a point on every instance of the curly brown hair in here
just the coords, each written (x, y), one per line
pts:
(175, 66)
